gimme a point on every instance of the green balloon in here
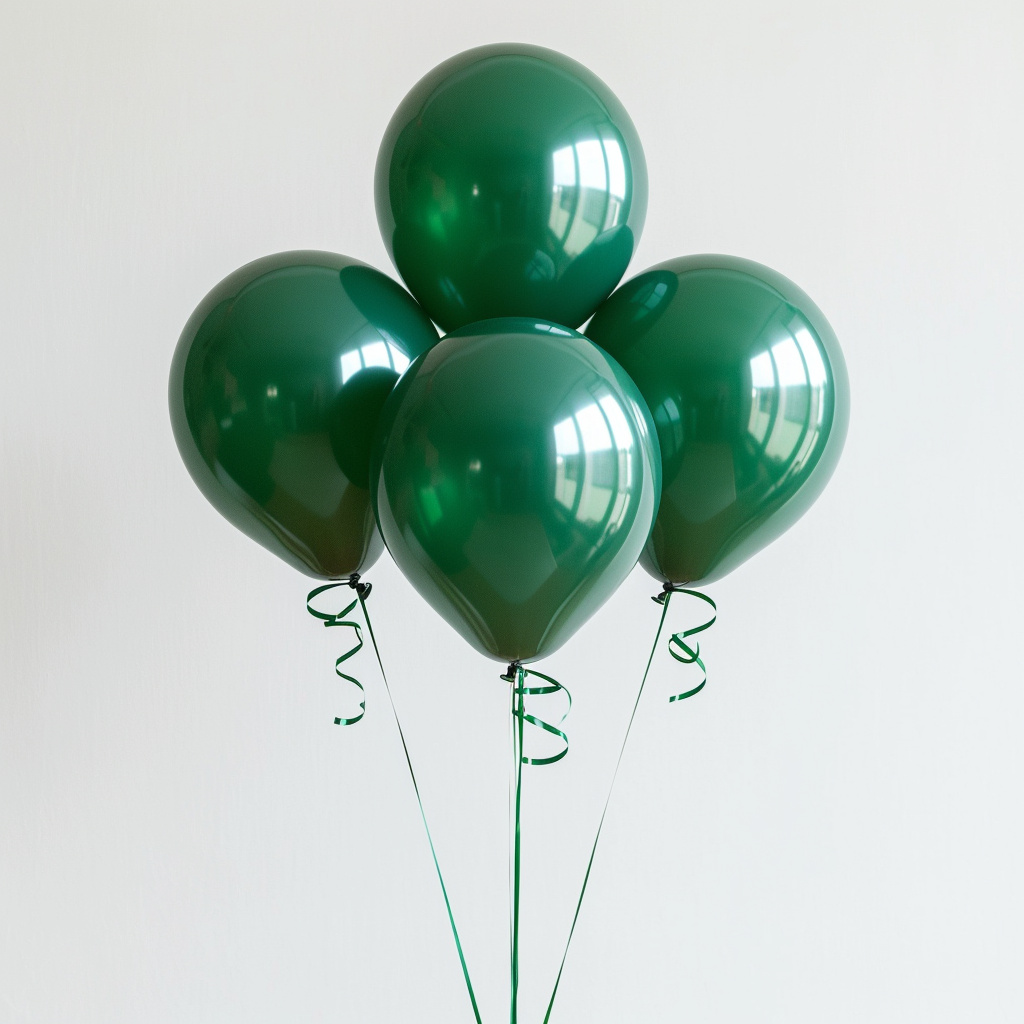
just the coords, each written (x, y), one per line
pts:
(516, 471)
(276, 387)
(749, 392)
(511, 182)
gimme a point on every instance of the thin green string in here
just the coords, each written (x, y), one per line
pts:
(520, 691)
(423, 815)
(362, 592)
(518, 726)
(689, 656)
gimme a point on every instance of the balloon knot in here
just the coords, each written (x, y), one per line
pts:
(512, 671)
(362, 589)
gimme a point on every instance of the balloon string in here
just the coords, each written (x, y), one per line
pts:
(362, 593)
(688, 656)
(517, 675)
(518, 724)
(423, 814)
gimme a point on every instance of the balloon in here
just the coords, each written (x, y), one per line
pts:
(516, 471)
(510, 182)
(748, 388)
(276, 386)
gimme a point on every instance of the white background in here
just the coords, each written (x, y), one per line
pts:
(831, 831)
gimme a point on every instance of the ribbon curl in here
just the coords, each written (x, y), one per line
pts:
(518, 675)
(338, 619)
(677, 646)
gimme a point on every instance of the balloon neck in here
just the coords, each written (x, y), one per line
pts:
(666, 589)
(512, 672)
(362, 589)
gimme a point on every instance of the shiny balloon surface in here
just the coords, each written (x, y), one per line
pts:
(517, 477)
(748, 389)
(511, 182)
(275, 391)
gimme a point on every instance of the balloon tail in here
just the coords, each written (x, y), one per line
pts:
(687, 656)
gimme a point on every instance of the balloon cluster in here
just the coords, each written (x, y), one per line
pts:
(516, 469)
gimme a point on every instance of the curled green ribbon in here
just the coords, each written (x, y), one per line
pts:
(338, 619)
(677, 645)
(688, 656)
(517, 674)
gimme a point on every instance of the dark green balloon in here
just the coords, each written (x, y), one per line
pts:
(516, 471)
(511, 182)
(748, 388)
(276, 387)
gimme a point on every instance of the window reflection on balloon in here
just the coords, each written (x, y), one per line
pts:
(553, 329)
(594, 464)
(670, 426)
(541, 267)
(384, 353)
(788, 384)
(588, 191)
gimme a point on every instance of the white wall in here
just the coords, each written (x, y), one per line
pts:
(830, 832)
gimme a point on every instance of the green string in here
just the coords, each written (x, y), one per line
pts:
(678, 648)
(517, 675)
(518, 725)
(688, 656)
(338, 619)
(362, 592)
(423, 813)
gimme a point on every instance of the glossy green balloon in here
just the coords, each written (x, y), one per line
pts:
(516, 471)
(276, 387)
(748, 388)
(511, 182)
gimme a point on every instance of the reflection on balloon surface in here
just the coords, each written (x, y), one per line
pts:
(384, 353)
(787, 408)
(510, 182)
(588, 191)
(517, 482)
(748, 390)
(275, 390)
